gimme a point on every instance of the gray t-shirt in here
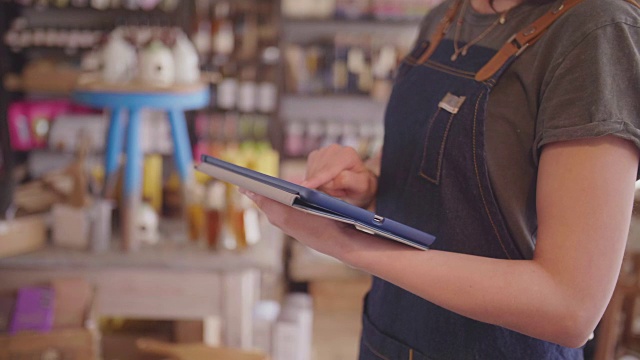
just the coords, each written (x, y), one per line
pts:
(581, 80)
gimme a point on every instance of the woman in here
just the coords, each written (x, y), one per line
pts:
(520, 158)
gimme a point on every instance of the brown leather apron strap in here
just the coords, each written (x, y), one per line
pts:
(633, 2)
(441, 31)
(520, 41)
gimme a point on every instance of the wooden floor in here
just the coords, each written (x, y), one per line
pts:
(336, 335)
(337, 318)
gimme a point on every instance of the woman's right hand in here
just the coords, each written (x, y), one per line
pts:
(339, 171)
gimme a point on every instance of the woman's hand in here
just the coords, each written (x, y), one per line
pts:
(324, 235)
(339, 171)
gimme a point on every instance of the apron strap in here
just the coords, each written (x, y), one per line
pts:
(441, 31)
(633, 2)
(520, 41)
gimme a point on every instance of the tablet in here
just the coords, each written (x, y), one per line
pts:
(314, 202)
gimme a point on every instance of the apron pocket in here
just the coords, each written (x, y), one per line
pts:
(436, 138)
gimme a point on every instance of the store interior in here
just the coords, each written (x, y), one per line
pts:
(112, 246)
(128, 259)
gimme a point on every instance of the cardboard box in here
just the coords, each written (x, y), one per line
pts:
(77, 343)
(22, 235)
(73, 344)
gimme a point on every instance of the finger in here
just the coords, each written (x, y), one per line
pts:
(327, 163)
(351, 182)
(319, 179)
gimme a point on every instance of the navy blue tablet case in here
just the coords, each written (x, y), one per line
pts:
(313, 201)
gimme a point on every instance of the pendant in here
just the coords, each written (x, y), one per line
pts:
(454, 57)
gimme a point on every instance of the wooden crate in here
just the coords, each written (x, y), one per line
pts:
(73, 344)
(22, 235)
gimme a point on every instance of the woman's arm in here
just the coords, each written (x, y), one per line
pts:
(584, 199)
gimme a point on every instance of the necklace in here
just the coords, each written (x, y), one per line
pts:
(456, 37)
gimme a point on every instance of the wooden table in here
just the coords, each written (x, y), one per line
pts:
(166, 282)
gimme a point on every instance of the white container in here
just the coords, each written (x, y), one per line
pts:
(293, 331)
(119, 59)
(157, 66)
(71, 226)
(265, 315)
(185, 58)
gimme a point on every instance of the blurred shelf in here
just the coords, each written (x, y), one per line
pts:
(332, 107)
(172, 253)
(44, 80)
(304, 30)
(337, 97)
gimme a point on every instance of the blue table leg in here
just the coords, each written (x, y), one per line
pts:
(182, 145)
(112, 152)
(132, 182)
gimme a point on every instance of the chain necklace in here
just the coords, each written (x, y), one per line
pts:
(456, 37)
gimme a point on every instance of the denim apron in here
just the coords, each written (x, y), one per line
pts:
(434, 177)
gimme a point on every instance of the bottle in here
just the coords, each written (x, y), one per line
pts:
(247, 91)
(235, 217)
(214, 210)
(195, 212)
(267, 92)
(313, 139)
(223, 37)
(294, 141)
(228, 89)
(332, 134)
(349, 135)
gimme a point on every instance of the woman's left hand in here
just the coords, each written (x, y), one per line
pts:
(324, 235)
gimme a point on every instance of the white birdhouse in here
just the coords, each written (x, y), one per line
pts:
(185, 58)
(156, 65)
(119, 59)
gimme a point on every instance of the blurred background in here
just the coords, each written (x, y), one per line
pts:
(112, 247)
(101, 261)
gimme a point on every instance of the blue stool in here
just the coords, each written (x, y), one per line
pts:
(119, 102)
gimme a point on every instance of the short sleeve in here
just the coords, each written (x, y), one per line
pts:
(595, 89)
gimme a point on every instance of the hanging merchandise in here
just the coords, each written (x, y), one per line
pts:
(119, 60)
(169, 5)
(148, 4)
(156, 65)
(185, 58)
(222, 30)
(100, 4)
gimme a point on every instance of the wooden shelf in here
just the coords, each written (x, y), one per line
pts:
(332, 107)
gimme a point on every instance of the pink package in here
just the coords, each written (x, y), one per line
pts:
(30, 121)
(33, 310)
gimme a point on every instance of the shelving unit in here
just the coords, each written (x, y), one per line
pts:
(203, 277)
(305, 265)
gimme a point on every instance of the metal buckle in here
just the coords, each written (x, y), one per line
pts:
(558, 9)
(522, 49)
(530, 31)
(517, 44)
(514, 42)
